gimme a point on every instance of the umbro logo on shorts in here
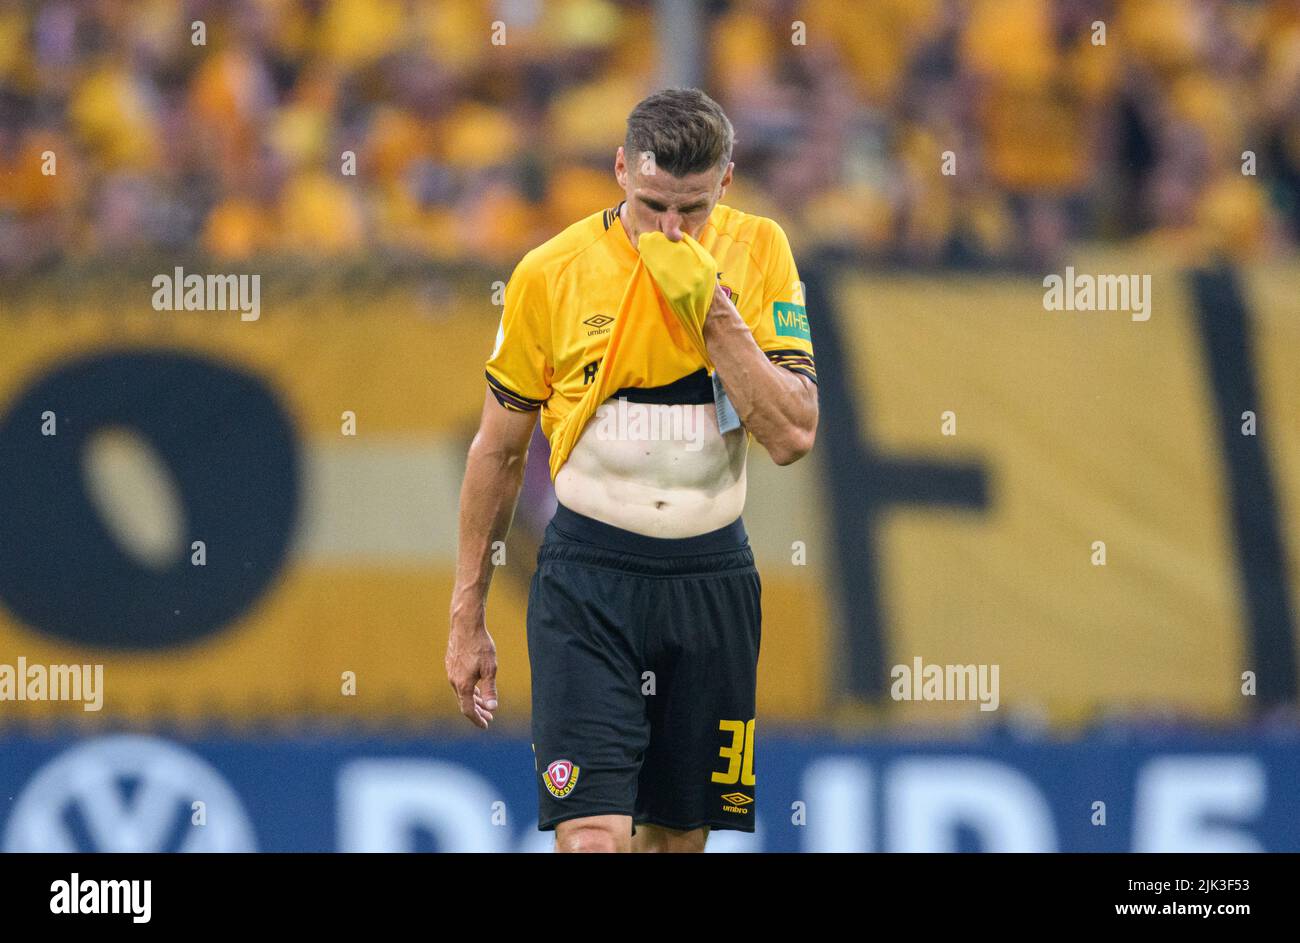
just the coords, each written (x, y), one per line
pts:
(560, 778)
(733, 801)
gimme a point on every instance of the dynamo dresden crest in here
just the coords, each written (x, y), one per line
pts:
(560, 778)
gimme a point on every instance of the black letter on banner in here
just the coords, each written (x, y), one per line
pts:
(231, 449)
(1224, 321)
(863, 482)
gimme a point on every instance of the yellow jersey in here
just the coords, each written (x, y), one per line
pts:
(562, 299)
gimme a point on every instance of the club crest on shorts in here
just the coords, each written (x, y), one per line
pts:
(560, 778)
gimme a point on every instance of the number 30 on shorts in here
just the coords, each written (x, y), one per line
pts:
(739, 754)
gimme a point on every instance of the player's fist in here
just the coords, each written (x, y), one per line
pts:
(722, 304)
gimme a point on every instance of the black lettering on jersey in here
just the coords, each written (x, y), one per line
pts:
(589, 372)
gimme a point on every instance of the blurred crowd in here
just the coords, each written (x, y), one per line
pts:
(926, 132)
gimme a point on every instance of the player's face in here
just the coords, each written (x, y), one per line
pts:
(656, 200)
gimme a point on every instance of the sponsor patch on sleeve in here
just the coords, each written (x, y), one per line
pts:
(790, 320)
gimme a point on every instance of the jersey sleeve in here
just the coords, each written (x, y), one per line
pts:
(782, 331)
(519, 371)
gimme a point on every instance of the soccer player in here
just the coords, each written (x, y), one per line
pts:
(644, 611)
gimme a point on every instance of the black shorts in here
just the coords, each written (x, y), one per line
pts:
(644, 655)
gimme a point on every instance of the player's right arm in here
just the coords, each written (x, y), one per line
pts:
(518, 377)
(494, 473)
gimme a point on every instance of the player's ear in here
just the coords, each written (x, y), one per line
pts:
(620, 167)
(726, 178)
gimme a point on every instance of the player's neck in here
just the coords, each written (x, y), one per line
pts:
(622, 222)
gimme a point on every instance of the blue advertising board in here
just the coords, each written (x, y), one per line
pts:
(1117, 791)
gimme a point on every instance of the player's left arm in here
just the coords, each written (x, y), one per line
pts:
(767, 367)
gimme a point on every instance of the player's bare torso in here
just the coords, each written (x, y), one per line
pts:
(654, 469)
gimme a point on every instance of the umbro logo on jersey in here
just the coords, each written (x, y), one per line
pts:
(598, 320)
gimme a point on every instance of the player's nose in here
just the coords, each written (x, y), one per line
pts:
(670, 224)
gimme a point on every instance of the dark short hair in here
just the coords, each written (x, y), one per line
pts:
(685, 130)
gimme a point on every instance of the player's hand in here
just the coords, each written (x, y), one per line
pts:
(471, 664)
